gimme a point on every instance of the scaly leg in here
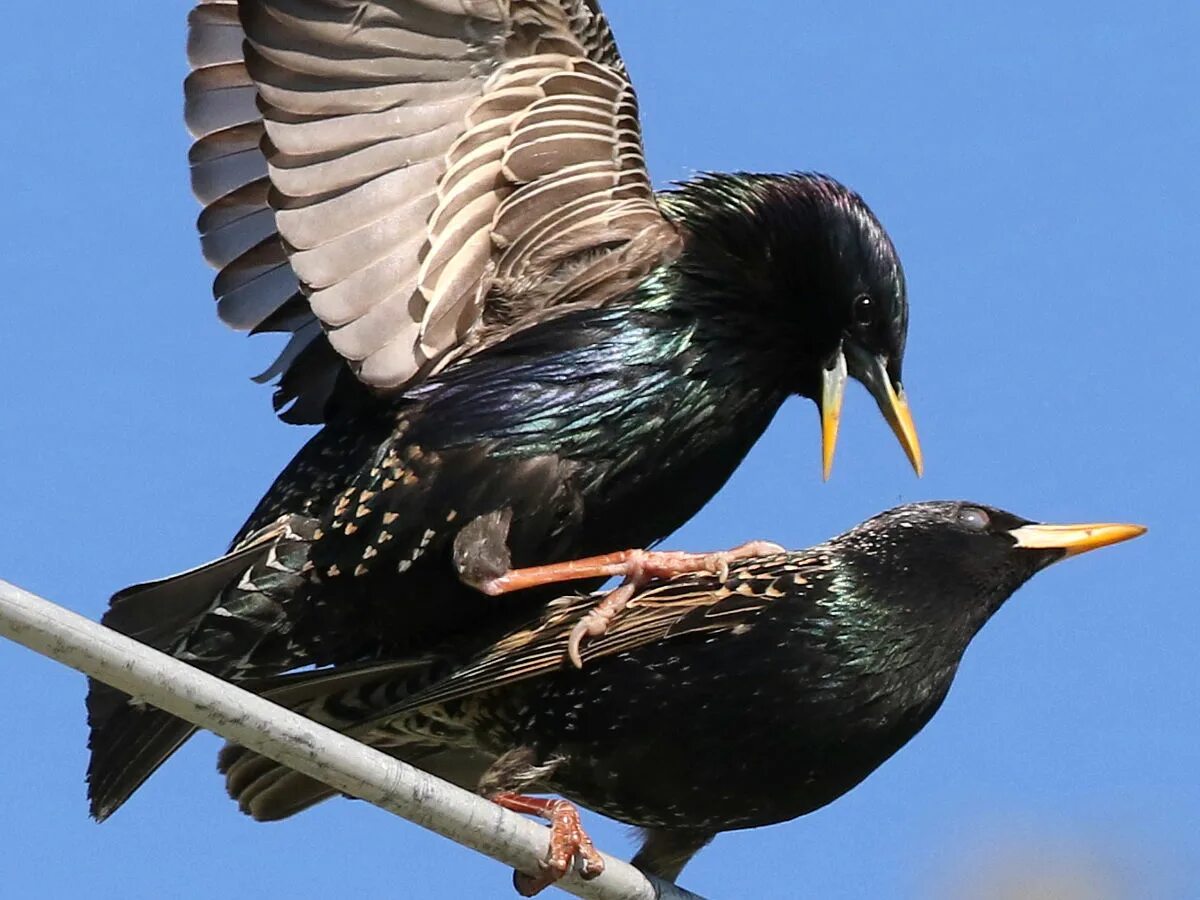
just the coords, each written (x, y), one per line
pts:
(568, 841)
(636, 567)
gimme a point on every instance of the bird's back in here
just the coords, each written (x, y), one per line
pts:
(585, 434)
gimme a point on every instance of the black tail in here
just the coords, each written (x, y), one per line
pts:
(216, 617)
(128, 743)
(348, 700)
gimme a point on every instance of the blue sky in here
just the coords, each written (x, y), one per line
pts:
(1035, 165)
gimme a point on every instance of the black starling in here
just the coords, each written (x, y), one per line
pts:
(520, 352)
(773, 691)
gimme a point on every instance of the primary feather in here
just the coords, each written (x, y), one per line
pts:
(519, 352)
(391, 170)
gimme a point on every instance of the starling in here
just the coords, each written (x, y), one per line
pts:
(519, 352)
(777, 689)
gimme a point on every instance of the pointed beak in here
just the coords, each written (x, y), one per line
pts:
(833, 389)
(1074, 539)
(872, 372)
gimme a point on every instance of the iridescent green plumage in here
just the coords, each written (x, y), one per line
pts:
(597, 429)
(768, 694)
(518, 350)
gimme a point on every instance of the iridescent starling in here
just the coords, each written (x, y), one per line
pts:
(771, 693)
(520, 353)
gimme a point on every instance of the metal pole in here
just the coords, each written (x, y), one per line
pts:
(294, 741)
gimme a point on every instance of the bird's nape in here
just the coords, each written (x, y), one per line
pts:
(808, 278)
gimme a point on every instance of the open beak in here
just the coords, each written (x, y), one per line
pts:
(1074, 539)
(872, 371)
(833, 389)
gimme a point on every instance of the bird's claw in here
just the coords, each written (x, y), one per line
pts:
(595, 623)
(668, 564)
(640, 567)
(636, 567)
(718, 564)
(569, 843)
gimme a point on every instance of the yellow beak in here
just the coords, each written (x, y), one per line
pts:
(872, 371)
(1074, 539)
(894, 407)
(833, 390)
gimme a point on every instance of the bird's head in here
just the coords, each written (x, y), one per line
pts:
(955, 563)
(812, 284)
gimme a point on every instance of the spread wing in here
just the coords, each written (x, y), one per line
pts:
(396, 182)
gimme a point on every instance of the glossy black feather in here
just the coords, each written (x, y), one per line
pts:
(593, 430)
(769, 694)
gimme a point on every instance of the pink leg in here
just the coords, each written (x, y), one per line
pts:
(636, 567)
(568, 841)
(628, 564)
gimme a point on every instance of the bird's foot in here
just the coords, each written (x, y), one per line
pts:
(635, 566)
(595, 623)
(568, 841)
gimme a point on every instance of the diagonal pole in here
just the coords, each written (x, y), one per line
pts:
(319, 752)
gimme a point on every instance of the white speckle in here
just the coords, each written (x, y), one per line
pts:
(273, 561)
(222, 611)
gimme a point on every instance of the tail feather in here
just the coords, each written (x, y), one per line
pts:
(241, 767)
(283, 794)
(216, 616)
(349, 700)
(128, 743)
(157, 612)
(265, 790)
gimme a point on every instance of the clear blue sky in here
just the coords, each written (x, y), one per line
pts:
(1035, 164)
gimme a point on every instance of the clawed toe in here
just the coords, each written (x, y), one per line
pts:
(636, 567)
(569, 843)
(595, 623)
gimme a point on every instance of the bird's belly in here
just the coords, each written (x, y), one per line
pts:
(685, 746)
(722, 784)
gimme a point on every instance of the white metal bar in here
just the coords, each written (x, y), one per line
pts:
(339, 761)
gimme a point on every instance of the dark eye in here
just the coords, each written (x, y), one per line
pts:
(863, 309)
(973, 518)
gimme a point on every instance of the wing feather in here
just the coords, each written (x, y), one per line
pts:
(374, 172)
(686, 605)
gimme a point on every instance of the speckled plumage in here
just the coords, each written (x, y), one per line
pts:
(596, 429)
(771, 693)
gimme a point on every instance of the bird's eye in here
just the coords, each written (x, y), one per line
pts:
(973, 518)
(863, 309)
